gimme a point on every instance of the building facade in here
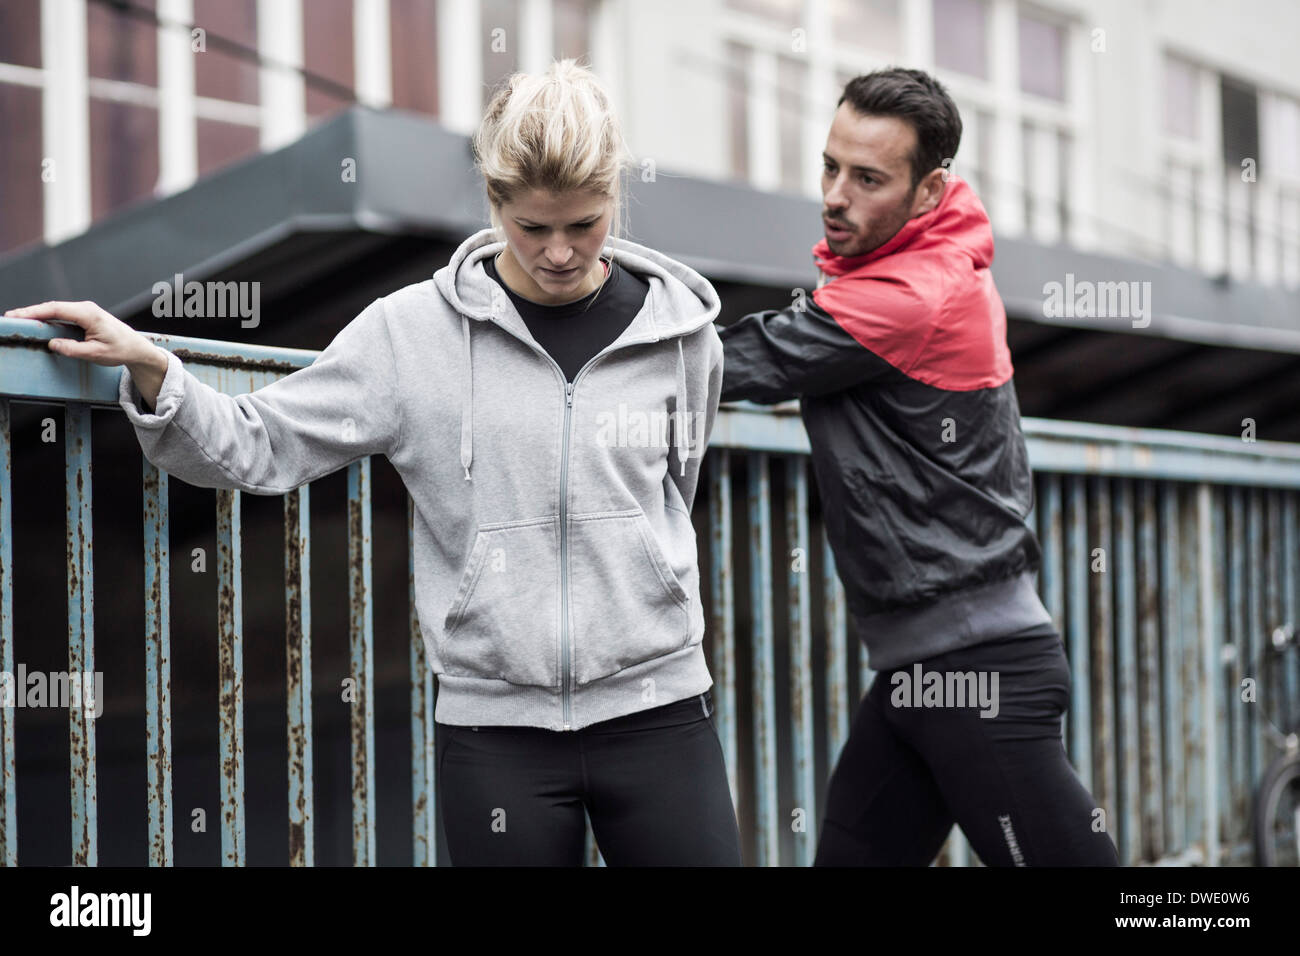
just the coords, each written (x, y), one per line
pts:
(1161, 131)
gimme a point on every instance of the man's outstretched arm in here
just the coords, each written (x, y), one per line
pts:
(780, 354)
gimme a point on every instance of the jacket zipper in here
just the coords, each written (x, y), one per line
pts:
(564, 549)
(566, 692)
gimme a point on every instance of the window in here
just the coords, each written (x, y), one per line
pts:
(123, 154)
(1279, 177)
(1240, 116)
(738, 56)
(20, 32)
(226, 70)
(413, 37)
(1182, 99)
(123, 121)
(1045, 171)
(1282, 154)
(974, 152)
(221, 71)
(1194, 207)
(961, 36)
(1064, 157)
(21, 192)
(1027, 197)
(328, 53)
(1239, 105)
(121, 46)
(1042, 58)
(792, 82)
(869, 24)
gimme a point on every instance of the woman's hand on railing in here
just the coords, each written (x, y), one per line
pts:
(108, 341)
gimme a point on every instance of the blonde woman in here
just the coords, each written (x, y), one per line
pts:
(546, 397)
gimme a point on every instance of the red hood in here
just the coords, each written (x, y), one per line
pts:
(925, 301)
(959, 220)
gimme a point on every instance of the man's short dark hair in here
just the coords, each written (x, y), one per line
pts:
(917, 98)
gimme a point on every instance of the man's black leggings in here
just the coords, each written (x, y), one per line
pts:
(907, 773)
(654, 784)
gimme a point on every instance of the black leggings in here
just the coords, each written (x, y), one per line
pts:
(906, 774)
(654, 784)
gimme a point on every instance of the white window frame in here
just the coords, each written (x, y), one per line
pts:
(1194, 173)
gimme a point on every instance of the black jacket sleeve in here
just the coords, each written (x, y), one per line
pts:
(779, 354)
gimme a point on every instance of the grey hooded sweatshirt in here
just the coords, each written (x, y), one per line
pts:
(556, 573)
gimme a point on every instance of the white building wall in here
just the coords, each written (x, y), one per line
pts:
(1132, 188)
(1118, 160)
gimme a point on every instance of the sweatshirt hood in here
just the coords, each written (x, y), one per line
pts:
(959, 221)
(680, 302)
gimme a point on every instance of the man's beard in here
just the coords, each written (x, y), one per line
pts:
(881, 231)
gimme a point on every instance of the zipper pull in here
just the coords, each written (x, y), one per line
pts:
(568, 393)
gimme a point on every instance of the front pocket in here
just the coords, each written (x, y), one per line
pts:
(504, 621)
(627, 605)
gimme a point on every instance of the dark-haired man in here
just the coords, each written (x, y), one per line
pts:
(900, 360)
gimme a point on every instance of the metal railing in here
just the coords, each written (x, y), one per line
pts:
(1168, 557)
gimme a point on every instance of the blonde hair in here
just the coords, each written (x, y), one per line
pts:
(557, 132)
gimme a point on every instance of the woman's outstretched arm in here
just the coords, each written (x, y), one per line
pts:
(342, 407)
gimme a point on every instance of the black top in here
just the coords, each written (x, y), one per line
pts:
(574, 332)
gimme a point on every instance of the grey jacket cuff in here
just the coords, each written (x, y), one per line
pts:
(170, 396)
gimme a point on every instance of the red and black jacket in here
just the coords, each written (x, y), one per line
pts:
(901, 363)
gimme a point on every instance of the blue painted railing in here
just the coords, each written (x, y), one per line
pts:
(1198, 535)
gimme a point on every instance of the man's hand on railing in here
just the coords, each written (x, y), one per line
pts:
(108, 341)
